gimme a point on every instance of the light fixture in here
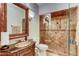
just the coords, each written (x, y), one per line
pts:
(31, 15)
(47, 19)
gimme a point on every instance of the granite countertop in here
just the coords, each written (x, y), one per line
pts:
(13, 49)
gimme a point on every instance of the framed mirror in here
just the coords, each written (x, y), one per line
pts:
(17, 20)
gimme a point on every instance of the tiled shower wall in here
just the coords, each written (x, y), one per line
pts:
(59, 35)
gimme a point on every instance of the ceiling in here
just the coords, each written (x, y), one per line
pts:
(41, 4)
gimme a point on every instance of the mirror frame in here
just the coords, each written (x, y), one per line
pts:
(25, 33)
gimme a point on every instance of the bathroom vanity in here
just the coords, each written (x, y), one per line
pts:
(15, 15)
(28, 50)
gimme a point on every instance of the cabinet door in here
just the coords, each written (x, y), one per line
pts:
(3, 21)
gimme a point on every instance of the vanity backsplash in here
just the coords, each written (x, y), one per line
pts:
(13, 41)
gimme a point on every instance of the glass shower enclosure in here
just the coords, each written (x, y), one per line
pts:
(58, 29)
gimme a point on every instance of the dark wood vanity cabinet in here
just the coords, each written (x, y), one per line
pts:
(3, 21)
(28, 51)
(25, 51)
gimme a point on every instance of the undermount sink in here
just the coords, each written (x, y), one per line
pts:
(22, 44)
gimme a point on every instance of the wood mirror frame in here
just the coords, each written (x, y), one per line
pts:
(25, 33)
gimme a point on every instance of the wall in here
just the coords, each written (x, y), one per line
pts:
(34, 23)
(51, 7)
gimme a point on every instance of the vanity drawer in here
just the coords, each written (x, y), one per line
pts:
(15, 54)
(25, 49)
(5, 54)
(26, 53)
